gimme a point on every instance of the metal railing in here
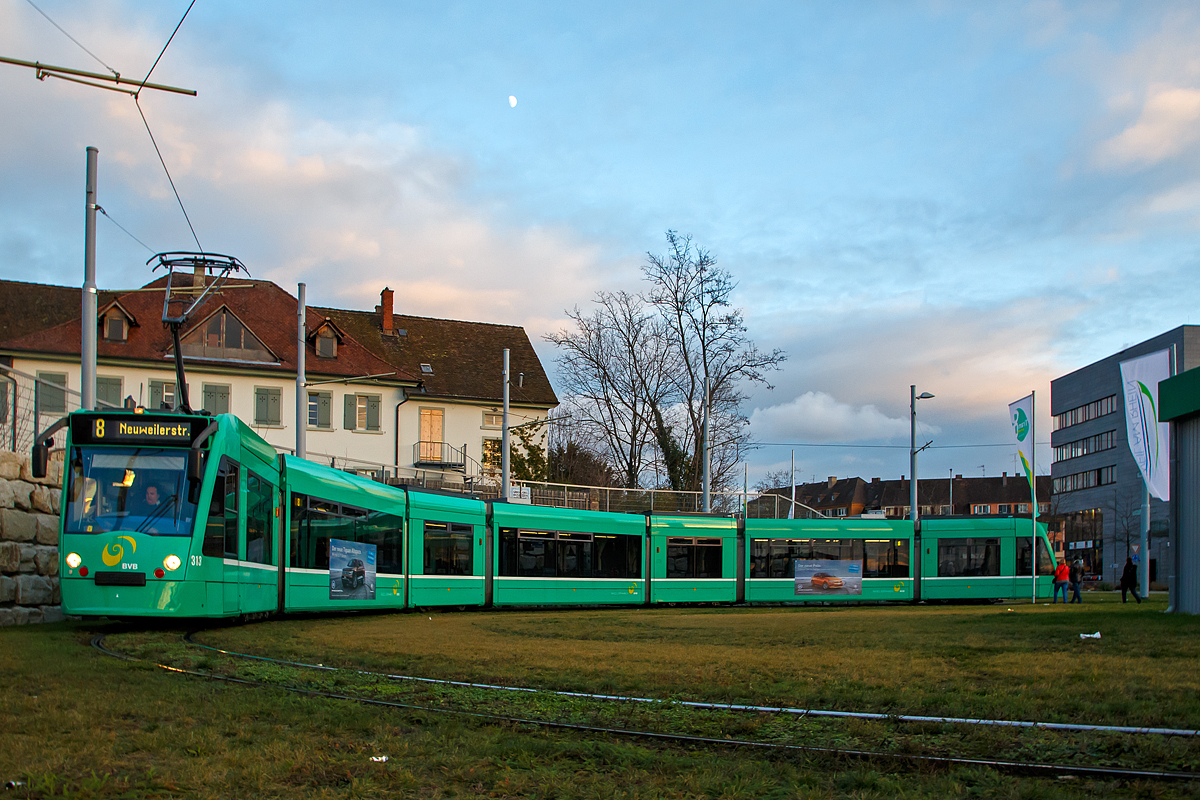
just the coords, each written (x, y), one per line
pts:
(439, 453)
(29, 404)
(754, 505)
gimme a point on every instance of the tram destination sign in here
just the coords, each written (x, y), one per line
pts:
(141, 430)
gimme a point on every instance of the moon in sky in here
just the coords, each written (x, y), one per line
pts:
(512, 101)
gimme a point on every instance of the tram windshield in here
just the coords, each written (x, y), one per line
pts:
(138, 489)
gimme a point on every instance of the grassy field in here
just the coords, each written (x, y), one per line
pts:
(79, 723)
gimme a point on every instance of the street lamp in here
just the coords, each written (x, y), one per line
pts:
(913, 508)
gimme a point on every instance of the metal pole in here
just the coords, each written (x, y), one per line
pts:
(87, 343)
(1033, 491)
(792, 510)
(1144, 541)
(912, 454)
(504, 461)
(918, 550)
(301, 395)
(704, 452)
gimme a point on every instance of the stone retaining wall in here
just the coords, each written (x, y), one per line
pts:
(29, 589)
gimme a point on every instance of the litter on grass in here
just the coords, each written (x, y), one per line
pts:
(379, 758)
(1095, 635)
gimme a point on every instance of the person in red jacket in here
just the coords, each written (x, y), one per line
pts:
(1062, 574)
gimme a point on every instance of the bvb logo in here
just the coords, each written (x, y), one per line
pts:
(112, 559)
(1021, 423)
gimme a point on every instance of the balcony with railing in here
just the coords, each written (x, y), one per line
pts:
(439, 455)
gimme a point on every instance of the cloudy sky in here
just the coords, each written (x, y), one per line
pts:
(975, 198)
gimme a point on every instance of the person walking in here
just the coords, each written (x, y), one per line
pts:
(1076, 579)
(1129, 580)
(1061, 573)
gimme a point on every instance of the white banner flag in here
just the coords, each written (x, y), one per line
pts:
(1149, 439)
(1021, 414)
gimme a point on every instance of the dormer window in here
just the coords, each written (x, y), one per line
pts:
(326, 344)
(115, 322)
(224, 336)
(114, 328)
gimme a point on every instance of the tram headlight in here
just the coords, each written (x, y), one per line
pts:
(172, 563)
(73, 560)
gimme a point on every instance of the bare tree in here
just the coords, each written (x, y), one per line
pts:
(709, 342)
(615, 369)
(635, 370)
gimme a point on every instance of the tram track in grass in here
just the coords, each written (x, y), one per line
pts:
(915, 743)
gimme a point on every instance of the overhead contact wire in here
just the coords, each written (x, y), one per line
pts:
(145, 122)
(165, 46)
(122, 227)
(73, 39)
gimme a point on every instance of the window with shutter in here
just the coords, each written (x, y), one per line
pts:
(319, 406)
(52, 394)
(216, 398)
(266, 406)
(108, 392)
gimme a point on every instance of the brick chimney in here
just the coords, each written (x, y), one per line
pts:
(198, 275)
(385, 301)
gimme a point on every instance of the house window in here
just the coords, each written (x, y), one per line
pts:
(1022, 508)
(266, 406)
(52, 393)
(114, 328)
(431, 434)
(326, 344)
(945, 511)
(216, 398)
(108, 392)
(981, 508)
(162, 394)
(492, 420)
(361, 412)
(491, 453)
(1005, 508)
(426, 369)
(839, 512)
(319, 404)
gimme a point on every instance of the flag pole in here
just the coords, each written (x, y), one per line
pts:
(1033, 490)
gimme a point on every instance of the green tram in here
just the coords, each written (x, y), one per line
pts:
(190, 515)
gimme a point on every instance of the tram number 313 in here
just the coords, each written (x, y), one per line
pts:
(195, 561)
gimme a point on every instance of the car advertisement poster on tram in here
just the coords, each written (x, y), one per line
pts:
(828, 577)
(351, 570)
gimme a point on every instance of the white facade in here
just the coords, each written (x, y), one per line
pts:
(393, 441)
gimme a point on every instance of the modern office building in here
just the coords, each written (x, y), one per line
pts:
(1097, 489)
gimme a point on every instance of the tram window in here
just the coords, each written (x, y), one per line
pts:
(885, 558)
(694, 558)
(776, 558)
(616, 556)
(574, 555)
(231, 512)
(1044, 567)
(569, 554)
(385, 531)
(536, 555)
(259, 520)
(449, 548)
(968, 557)
(221, 529)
